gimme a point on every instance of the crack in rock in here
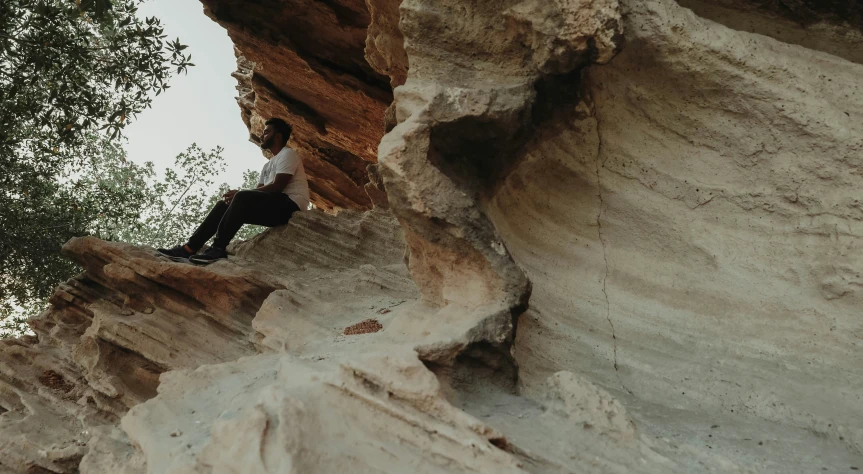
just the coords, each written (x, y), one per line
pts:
(599, 165)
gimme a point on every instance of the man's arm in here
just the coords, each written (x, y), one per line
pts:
(278, 184)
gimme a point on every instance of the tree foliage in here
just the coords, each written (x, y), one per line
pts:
(72, 74)
(172, 207)
(113, 199)
(71, 66)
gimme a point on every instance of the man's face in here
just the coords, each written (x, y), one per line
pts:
(268, 137)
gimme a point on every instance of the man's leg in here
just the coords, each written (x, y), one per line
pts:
(209, 227)
(253, 207)
(206, 230)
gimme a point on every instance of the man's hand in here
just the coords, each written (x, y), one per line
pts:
(229, 196)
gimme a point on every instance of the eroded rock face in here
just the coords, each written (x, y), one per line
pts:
(304, 61)
(277, 382)
(385, 51)
(376, 413)
(691, 227)
(832, 26)
(108, 336)
(131, 316)
(622, 237)
(466, 105)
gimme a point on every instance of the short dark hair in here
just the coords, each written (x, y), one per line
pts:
(281, 127)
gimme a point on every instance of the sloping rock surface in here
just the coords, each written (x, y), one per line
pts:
(131, 316)
(247, 366)
(714, 223)
(833, 26)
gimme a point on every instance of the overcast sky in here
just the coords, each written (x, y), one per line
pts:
(199, 107)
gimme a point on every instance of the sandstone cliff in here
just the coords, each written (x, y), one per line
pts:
(615, 236)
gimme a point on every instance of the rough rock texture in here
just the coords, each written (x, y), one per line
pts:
(304, 61)
(131, 316)
(262, 377)
(385, 51)
(376, 412)
(728, 125)
(466, 104)
(691, 226)
(108, 336)
(617, 236)
(833, 26)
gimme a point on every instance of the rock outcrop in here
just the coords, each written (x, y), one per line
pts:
(131, 316)
(834, 27)
(146, 365)
(607, 236)
(708, 258)
(304, 61)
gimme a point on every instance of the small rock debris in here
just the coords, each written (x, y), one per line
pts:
(363, 327)
(54, 380)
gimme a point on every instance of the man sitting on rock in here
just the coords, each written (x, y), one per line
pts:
(282, 190)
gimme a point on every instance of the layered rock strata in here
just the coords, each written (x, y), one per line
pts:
(304, 61)
(691, 226)
(602, 255)
(131, 316)
(729, 126)
(466, 105)
(245, 365)
(834, 27)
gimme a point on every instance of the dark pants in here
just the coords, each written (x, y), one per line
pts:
(247, 207)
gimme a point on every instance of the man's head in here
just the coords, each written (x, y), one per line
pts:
(276, 132)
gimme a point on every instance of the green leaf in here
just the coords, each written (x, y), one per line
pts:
(77, 73)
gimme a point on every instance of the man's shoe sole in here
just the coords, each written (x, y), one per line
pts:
(176, 259)
(205, 262)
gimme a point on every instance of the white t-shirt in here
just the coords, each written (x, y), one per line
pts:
(289, 162)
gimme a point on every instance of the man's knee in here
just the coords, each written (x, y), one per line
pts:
(245, 194)
(242, 197)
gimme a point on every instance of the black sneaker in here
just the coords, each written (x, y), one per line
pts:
(177, 254)
(209, 256)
